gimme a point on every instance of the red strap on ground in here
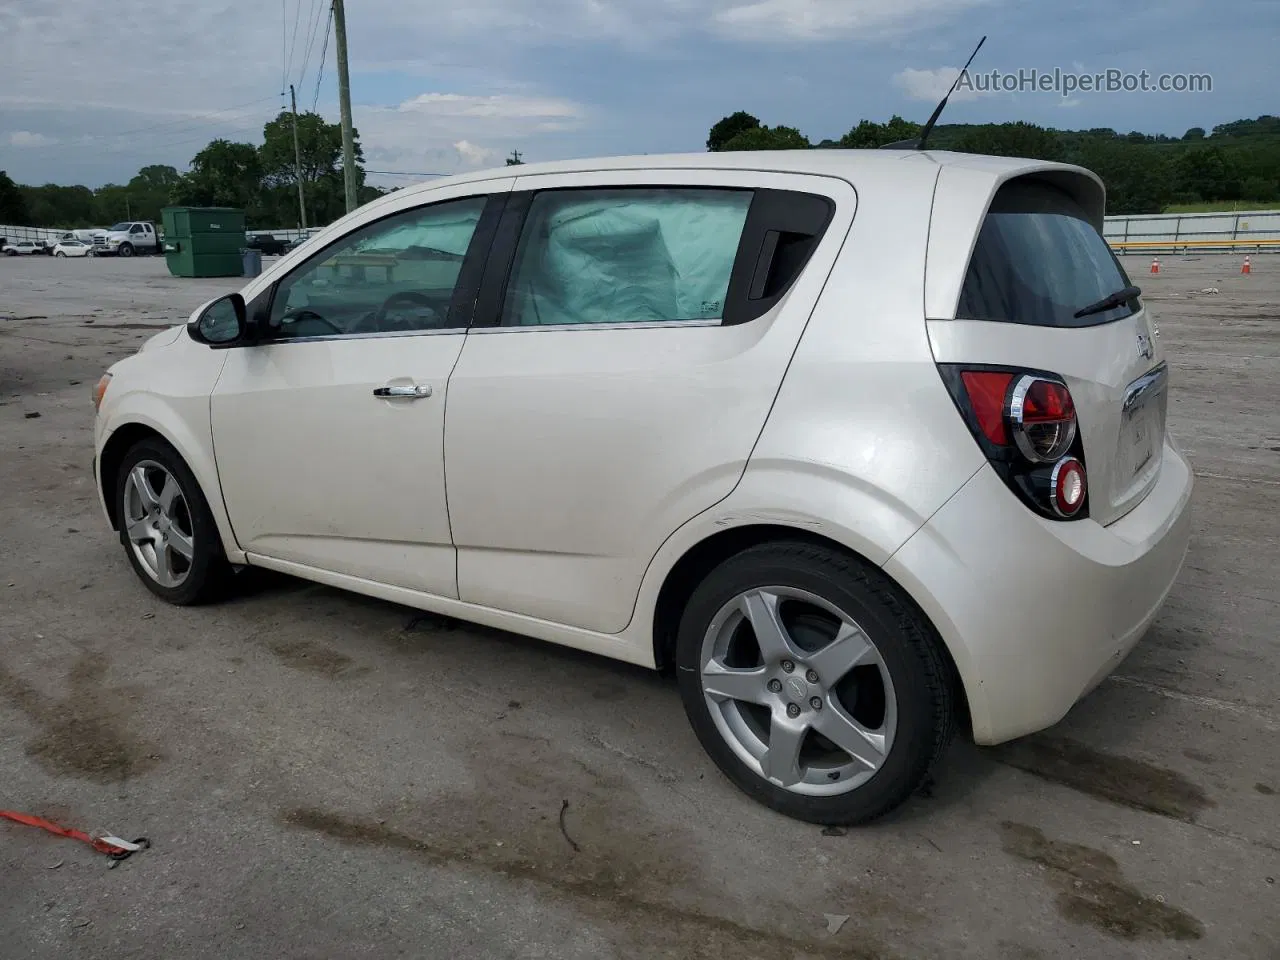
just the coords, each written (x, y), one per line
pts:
(100, 845)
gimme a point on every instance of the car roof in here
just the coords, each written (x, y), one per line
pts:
(839, 163)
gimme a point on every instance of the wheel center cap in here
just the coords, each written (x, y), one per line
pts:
(796, 689)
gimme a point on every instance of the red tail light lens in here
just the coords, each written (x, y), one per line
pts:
(1042, 418)
(987, 391)
(1025, 421)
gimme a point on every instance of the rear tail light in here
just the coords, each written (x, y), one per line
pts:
(1042, 418)
(1025, 422)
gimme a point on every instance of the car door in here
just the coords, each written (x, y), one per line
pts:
(329, 436)
(630, 338)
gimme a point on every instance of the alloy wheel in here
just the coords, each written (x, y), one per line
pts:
(798, 691)
(158, 523)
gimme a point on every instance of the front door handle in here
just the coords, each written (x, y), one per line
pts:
(403, 391)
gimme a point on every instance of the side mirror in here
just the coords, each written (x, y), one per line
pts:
(222, 323)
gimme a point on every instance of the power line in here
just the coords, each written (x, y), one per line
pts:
(284, 32)
(184, 120)
(293, 43)
(313, 28)
(323, 50)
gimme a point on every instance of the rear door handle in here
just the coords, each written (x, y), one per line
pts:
(403, 391)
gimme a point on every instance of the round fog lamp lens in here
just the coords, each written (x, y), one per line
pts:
(1072, 488)
(1068, 487)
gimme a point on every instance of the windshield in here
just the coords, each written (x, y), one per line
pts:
(1039, 260)
(121, 227)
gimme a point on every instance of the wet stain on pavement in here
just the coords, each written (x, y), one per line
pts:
(694, 934)
(312, 657)
(604, 850)
(1120, 780)
(1265, 790)
(1093, 891)
(84, 734)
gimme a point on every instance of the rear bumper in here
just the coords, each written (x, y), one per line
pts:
(1037, 613)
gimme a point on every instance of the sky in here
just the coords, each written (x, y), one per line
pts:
(91, 90)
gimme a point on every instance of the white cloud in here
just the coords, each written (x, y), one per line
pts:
(473, 154)
(827, 19)
(448, 132)
(26, 138)
(932, 85)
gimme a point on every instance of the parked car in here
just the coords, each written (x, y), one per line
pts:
(72, 248)
(266, 243)
(19, 248)
(300, 239)
(128, 238)
(86, 236)
(864, 445)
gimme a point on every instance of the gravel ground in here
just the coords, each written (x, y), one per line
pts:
(324, 775)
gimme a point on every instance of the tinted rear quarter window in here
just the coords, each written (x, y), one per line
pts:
(1038, 260)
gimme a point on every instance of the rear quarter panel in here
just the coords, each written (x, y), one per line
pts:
(864, 443)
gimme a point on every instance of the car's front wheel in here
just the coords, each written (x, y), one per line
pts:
(59, 253)
(166, 527)
(126, 250)
(813, 683)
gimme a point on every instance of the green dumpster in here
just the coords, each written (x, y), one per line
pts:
(203, 241)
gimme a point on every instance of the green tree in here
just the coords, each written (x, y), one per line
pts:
(54, 205)
(769, 138)
(320, 147)
(1260, 189)
(13, 205)
(869, 134)
(151, 189)
(1012, 140)
(729, 127)
(223, 174)
(1207, 173)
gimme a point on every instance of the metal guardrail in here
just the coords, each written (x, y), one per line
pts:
(1173, 247)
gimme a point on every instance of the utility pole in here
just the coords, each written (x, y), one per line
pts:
(344, 105)
(297, 161)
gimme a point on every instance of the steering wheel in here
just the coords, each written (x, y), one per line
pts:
(305, 314)
(378, 320)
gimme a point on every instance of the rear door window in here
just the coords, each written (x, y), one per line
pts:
(626, 255)
(1038, 260)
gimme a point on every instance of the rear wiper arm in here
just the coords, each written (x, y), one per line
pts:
(1109, 301)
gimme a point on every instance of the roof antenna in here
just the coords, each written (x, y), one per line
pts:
(919, 142)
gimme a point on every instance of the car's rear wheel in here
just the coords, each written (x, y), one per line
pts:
(126, 250)
(166, 527)
(813, 683)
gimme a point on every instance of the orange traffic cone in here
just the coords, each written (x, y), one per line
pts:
(1155, 264)
(1245, 269)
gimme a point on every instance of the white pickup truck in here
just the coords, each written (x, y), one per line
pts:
(127, 238)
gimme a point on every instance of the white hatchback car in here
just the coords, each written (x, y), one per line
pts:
(864, 445)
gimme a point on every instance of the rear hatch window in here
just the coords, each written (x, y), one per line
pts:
(1038, 260)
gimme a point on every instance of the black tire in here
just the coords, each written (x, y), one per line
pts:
(59, 253)
(908, 646)
(209, 575)
(125, 250)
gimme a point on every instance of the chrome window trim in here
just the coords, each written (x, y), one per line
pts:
(324, 337)
(625, 325)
